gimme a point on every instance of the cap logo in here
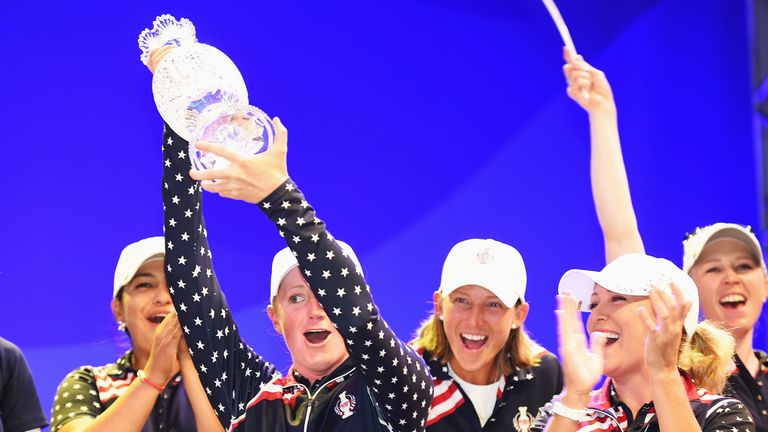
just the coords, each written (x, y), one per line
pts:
(485, 256)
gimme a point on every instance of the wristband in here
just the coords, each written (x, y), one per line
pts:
(574, 414)
(143, 378)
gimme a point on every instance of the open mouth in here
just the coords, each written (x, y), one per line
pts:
(733, 301)
(610, 338)
(316, 336)
(473, 342)
(157, 319)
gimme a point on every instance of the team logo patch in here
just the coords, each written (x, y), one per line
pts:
(523, 421)
(485, 256)
(345, 406)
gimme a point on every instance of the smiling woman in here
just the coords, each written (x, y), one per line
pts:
(143, 390)
(477, 348)
(665, 370)
(726, 262)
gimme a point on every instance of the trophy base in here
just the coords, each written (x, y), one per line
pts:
(247, 131)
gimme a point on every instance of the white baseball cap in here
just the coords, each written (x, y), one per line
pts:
(133, 256)
(493, 265)
(633, 274)
(284, 261)
(694, 244)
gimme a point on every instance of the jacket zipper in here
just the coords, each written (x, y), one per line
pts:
(312, 396)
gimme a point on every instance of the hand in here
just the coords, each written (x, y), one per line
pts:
(183, 350)
(587, 85)
(247, 178)
(582, 366)
(163, 362)
(665, 329)
(157, 55)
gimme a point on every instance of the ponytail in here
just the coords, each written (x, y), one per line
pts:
(708, 356)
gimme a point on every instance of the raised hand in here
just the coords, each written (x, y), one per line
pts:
(665, 328)
(582, 365)
(247, 178)
(586, 85)
(163, 361)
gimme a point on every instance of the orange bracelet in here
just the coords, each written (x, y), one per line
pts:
(143, 377)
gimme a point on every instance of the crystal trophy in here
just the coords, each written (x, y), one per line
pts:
(200, 93)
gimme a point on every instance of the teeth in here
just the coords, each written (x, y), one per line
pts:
(473, 337)
(316, 331)
(733, 298)
(610, 335)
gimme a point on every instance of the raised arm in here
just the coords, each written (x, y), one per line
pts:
(205, 416)
(610, 188)
(397, 376)
(230, 372)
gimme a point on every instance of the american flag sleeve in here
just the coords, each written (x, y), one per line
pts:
(397, 378)
(230, 371)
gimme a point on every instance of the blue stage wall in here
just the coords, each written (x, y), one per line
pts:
(413, 125)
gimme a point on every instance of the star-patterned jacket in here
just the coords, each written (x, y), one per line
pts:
(88, 391)
(715, 413)
(752, 390)
(383, 386)
(518, 399)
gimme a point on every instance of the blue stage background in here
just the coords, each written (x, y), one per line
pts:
(413, 125)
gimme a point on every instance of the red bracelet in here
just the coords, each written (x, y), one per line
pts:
(143, 377)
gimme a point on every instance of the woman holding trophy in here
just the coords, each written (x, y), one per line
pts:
(350, 371)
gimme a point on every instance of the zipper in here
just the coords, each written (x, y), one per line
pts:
(319, 389)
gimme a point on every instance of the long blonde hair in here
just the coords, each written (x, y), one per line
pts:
(708, 356)
(519, 351)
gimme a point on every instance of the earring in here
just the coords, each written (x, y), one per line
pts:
(440, 317)
(514, 326)
(121, 326)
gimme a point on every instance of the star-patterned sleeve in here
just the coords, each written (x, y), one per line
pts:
(395, 373)
(230, 371)
(77, 396)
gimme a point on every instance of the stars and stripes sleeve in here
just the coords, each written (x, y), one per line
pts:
(727, 414)
(396, 375)
(77, 396)
(230, 371)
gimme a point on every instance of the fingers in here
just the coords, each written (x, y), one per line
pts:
(568, 55)
(597, 343)
(646, 318)
(169, 329)
(684, 304)
(281, 135)
(157, 55)
(219, 150)
(570, 326)
(215, 186)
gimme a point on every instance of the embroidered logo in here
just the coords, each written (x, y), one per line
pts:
(345, 406)
(485, 256)
(523, 421)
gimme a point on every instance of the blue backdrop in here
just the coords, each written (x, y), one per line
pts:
(414, 124)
